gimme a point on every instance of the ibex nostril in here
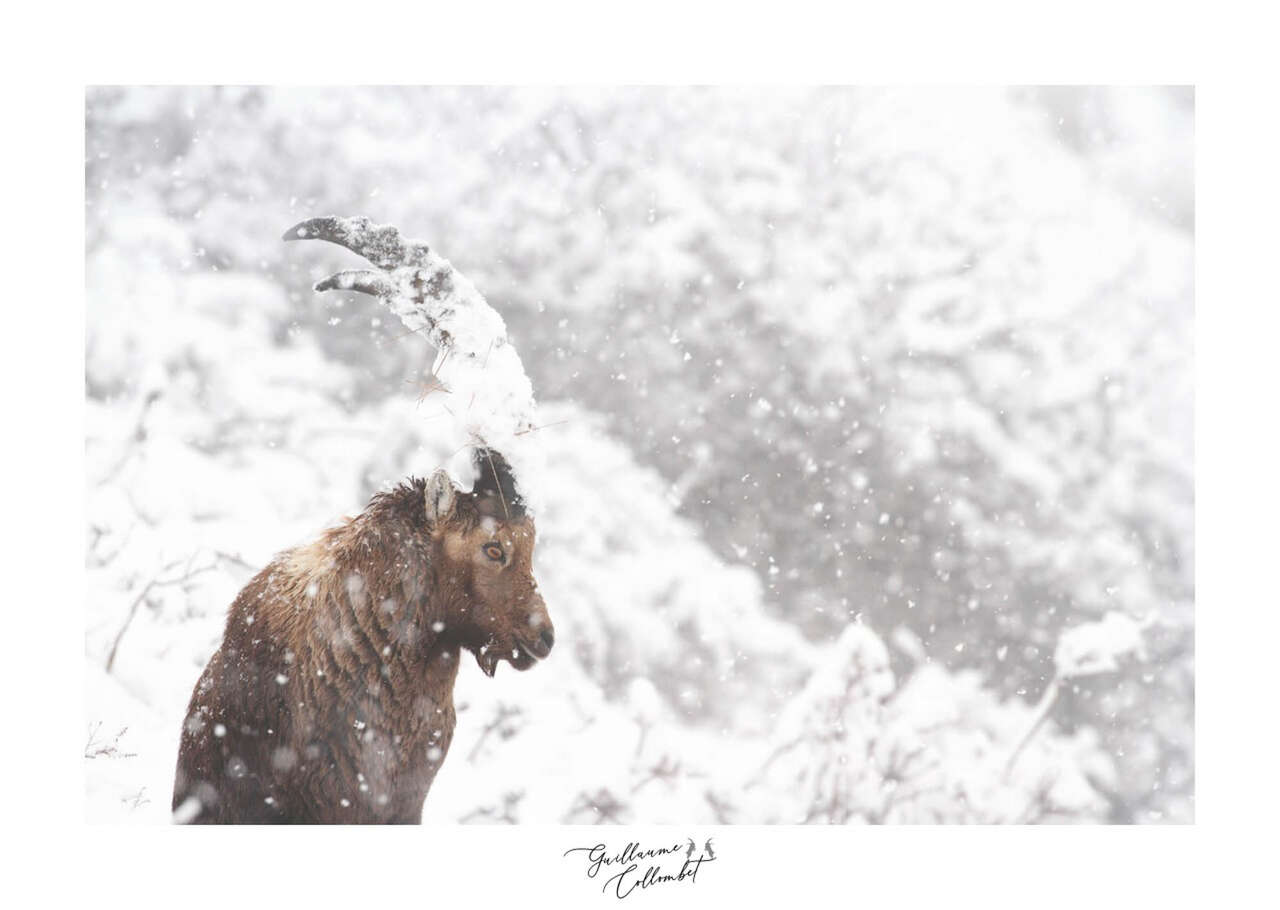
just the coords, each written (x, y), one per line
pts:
(548, 638)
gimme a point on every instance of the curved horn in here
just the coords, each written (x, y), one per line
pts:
(482, 370)
(380, 244)
(366, 281)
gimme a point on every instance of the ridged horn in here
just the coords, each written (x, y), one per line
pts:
(366, 281)
(381, 244)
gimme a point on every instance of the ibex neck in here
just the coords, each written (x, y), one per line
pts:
(375, 610)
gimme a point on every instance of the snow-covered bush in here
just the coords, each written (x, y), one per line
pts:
(855, 747)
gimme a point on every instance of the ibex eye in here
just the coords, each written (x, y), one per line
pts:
(493, 551)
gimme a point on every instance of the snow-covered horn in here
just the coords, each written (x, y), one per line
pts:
(483, 383)
(381, 244)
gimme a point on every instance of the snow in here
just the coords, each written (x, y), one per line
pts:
(1098, 647)
(844, 451)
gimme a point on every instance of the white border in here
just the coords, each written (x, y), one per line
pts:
(1221, 858)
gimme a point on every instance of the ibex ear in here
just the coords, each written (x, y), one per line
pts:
(440, 497)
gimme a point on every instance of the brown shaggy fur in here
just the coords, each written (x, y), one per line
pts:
(330, 699)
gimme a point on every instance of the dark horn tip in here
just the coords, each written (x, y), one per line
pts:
(318, 228)
(297, 232)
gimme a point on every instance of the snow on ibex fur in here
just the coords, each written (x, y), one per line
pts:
(330, 699)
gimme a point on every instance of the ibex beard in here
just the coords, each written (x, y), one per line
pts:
(330, 699)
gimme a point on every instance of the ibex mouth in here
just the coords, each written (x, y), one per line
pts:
(539, 647)
(520, 657)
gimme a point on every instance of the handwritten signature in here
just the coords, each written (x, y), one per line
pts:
(621, 871)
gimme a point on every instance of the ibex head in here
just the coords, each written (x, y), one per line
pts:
(483, 558)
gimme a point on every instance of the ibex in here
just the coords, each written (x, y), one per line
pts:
(330, 699)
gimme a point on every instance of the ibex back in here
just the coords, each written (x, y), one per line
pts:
(330, 699)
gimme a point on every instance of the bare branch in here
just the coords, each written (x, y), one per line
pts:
(156, 582)
(95, 749)
(1045, 705)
